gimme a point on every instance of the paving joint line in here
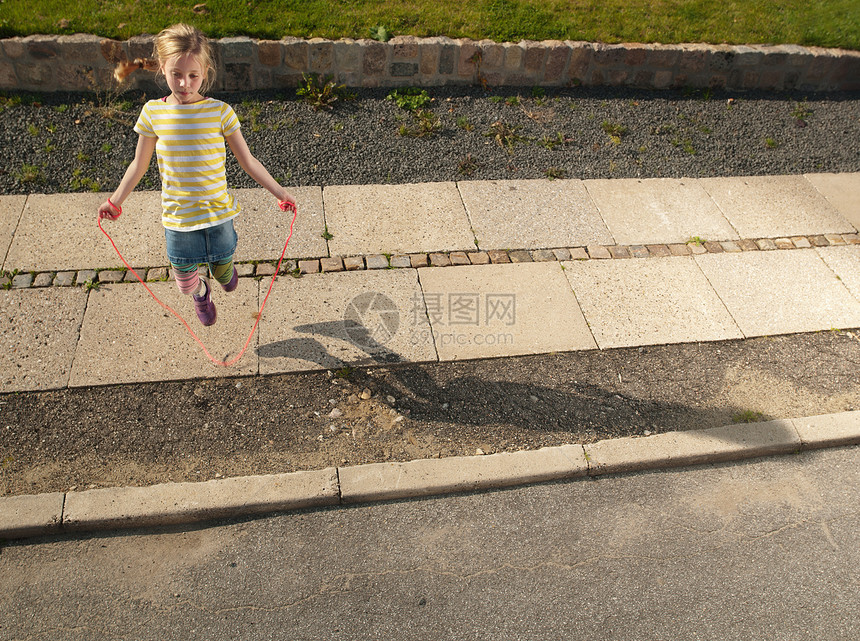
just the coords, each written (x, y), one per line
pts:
(94, 277)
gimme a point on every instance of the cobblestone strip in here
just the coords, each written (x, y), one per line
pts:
(94, 278)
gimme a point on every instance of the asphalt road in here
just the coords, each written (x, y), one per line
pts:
(765, 549)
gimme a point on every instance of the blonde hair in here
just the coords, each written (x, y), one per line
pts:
(177, 40)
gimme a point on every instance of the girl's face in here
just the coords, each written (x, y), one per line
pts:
(184, 76)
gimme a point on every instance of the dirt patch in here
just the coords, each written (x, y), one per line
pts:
(203, 429)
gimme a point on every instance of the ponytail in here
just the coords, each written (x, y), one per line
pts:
(125, 68)
(177, 40)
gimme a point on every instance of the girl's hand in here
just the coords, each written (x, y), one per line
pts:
(286, 201)
(108, 210)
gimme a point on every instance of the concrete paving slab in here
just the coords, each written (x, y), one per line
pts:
(59, 232)
(829, 430)
(486, 311)
(323, 321)
(780, 292)
(40, 334)
(11, 208)
(263, 228)
(127, 337)
(658, 210)
(649, 302)
(173, 503)
(396, 219)
(671, 449)
(533, 214)
(845, 263)
(426, 477)
(842, 191)
(775, 206)
(30, 515)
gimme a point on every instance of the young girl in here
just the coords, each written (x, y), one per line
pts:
(187, 132)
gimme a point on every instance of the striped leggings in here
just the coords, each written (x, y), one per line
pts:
(188, 278)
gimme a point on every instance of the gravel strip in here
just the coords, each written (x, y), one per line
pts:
(72, 142)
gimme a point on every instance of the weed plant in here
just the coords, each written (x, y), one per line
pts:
(747, 416)
(505, 135)
(322, 92)
(410, 98)
(29, 174)
(468, 165)
(464, 124)
(380, 32)
(614, 130)
(425, 124)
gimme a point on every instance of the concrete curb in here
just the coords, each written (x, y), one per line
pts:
(183, 503)
(426, 477)
(31, 515)
(674, 449)
(178, 503)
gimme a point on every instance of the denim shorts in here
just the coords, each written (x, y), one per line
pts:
(210, 245)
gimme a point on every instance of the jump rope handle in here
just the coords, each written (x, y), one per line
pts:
(116, 208)
(286, 205)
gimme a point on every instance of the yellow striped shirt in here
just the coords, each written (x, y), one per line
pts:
(191, 156)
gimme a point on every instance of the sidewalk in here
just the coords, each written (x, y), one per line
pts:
(430, 273)
(534, 267)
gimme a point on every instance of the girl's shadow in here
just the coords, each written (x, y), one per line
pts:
(313, 351)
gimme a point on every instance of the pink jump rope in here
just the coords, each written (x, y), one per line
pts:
(284, 205)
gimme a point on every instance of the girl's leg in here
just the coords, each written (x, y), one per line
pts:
(187, 278)
(189, 282)
(225, 273)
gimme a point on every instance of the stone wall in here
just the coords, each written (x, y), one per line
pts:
(86, 62)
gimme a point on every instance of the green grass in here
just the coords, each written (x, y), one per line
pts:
(830, 23)
(344, 372)
(614, 130)
(29, 174)
(747, 416)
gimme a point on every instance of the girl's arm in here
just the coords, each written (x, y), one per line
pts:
(254, 168)
(135, 171)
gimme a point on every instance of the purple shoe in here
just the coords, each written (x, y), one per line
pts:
(204, 306)
(229, 287)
